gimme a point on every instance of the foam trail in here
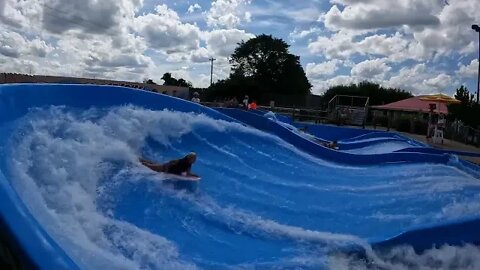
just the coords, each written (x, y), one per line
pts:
(253, 223)
(379, 148)
(405, 258)
(58, 165)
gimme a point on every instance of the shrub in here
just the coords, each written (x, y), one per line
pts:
(381, 121)
(420, 127)
(403, 124)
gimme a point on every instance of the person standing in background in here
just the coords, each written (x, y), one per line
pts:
(196, 97)
(245, 102)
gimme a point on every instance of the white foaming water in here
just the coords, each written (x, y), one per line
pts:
(256, 224)
(368, 140)
(380, 148)
(405, 258)
(60, 158)
(271, 115)
(461, 208)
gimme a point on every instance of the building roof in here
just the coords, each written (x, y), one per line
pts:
(414, 104)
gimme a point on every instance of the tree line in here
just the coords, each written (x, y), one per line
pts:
(378, 95)
(263, 68)
(259, 67)
(467, 111)
(171, 81)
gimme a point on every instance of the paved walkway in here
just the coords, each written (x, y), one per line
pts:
(447, 144)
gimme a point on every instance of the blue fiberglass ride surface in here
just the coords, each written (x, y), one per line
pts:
(358, 141)
(350, 140)
(76, 197)
(319, 151)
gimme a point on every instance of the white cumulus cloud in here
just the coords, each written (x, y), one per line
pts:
(228, 13)
(314, 70)
(371, 69)
(439, 82)
(223, 42)
(470, 70)
(164, 30)
(381, 14)
(194, 7)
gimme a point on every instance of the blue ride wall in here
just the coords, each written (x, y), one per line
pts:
(457, 233)
(40, 251)
(24, 233)
(331, 133)
(320, 151)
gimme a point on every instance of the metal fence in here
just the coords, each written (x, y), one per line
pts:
(463, 134)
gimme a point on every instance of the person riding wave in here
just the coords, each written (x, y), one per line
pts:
(331, 145)
(181, 166)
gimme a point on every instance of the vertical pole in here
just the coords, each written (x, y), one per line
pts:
(293, 113)
(211, 69)
(478, 73)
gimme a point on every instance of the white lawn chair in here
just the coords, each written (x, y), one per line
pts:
(438, 135)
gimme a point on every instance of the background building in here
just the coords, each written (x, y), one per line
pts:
(177, 91)
(409, 107)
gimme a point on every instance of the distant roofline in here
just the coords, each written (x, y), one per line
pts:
(93, 80)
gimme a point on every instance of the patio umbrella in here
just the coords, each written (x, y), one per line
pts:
(440, 98)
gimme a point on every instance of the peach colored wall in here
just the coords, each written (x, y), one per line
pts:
(182, 92)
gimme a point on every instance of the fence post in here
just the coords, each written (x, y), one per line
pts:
(477, 141)
(293, 112)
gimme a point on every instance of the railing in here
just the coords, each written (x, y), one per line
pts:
(352, 110)
(300, 114)
(297, 114)
(463, 134)
(337, 101)
(367, 105)
(213, 104)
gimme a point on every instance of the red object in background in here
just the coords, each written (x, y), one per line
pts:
(252, 106)
(414, 104)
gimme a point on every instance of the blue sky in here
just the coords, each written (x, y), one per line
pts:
(423, 46)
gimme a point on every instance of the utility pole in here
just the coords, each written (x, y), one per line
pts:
(211, 69)
(477, 29)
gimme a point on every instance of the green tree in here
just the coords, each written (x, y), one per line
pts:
(149, 81)
(468, 110)
(234, 86)
(464, 95)
(169, 80)
(267, 63)
(378, 95)
(184, 83)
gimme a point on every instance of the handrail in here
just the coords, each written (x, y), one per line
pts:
(334, 104)
(331, 100)
(291, 109)
(336, 98)
(366, 112)
(351, 96)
